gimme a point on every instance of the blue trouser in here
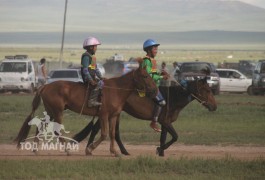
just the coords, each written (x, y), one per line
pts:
(159, 102)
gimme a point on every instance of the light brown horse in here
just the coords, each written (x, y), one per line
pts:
(61, 95)
(177, 97)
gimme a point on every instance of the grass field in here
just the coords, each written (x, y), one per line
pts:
(139, 168)
(238, 121)
(168, 55)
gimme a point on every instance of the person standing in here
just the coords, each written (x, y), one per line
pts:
(42, 72)
(164, 68)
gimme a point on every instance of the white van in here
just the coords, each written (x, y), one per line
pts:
(17, 74)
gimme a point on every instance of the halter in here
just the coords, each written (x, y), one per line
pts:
(140, 92)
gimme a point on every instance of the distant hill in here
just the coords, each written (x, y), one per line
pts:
(135, 39)
(176, 15)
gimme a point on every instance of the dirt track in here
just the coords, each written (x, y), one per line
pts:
(9, 151)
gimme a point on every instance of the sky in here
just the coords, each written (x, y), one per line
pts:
(260, 3)
(84, 15)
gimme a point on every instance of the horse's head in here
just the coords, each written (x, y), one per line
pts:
(144, 82)
(203, 93)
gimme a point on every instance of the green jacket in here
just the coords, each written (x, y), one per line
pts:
(147, 62)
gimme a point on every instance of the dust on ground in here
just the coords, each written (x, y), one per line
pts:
(9, 151)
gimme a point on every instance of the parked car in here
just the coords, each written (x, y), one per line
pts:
(244, 66)
(231, 80)
(118, 67)
(17, 74)
(191, 70)
(258, 78)
(101, 69)
(65, 74)
(72, 74)
(99, 66)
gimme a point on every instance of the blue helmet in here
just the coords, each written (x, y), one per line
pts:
(149, 43)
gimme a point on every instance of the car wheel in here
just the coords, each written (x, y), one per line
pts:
(250, 91)
(216, 91)
(31, 89)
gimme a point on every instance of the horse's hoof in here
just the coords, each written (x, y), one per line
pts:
(118, 155)
(35, 152)
(68, 153)
(88, 152)
(125, 153)
(159, 151)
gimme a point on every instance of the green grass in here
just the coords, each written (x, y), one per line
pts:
(239, 120)
(143, 167)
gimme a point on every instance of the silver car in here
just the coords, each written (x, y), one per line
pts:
(65, 74)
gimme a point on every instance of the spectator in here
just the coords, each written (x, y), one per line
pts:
(164, 69)
(41, 72)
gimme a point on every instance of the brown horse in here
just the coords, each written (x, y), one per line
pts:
(61, 95)
(177, 98)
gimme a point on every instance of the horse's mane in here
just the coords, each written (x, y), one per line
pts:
(177, 93)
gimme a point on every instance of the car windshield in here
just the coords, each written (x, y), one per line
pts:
(194, 67)
(64, 74)
(13, 67)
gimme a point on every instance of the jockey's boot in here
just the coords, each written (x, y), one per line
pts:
(156, 113)
(93, 98)
(154, 126)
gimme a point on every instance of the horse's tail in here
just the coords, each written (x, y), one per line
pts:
(85, 132)
(64, 129)
(24, 130)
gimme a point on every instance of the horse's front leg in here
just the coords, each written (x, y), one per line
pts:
(118, 138)
(104, 131)
(112, 126)
(163, 137)
(169, 128)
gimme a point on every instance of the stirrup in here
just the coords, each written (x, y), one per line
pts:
(94, 104)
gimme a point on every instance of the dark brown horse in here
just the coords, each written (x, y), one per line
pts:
(177, 98)
(61, 95)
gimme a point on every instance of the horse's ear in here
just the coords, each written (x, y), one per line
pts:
(139, 60)
(206, 71)
(143, 67)
(204, 80)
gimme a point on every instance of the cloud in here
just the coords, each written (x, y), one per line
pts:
(259, 3)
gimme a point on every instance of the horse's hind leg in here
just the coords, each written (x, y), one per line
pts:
(36, 142)
(94, 132)
(104, 131)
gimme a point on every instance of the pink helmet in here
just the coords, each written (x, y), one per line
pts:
(91, 41)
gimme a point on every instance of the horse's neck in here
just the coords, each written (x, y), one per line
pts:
(122, 82)
(177, 97)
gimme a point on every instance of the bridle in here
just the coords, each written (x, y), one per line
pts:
(202, 102)
(142, 91)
